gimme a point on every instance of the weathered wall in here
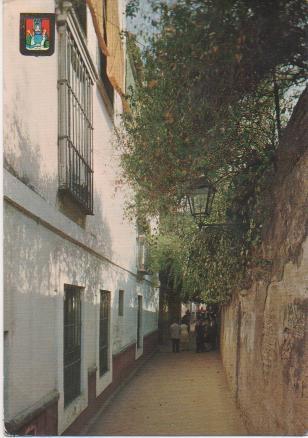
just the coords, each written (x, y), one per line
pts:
(264, 329)
(48, 245)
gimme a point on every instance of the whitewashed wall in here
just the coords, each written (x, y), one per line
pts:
(29, 105)
(43, 248)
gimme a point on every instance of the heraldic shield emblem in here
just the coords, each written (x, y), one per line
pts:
(37, 34)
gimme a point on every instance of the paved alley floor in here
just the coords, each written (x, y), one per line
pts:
(173, 394)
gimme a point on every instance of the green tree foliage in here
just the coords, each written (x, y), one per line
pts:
(206, 104)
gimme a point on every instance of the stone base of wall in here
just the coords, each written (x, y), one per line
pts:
(123, 364)
(150, 343)
(41, 419)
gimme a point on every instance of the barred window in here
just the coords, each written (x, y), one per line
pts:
(75, 122)
(121, 303)
(142, 247)
(72, 343)
(141, 253)
(139, 322)
(104, 331)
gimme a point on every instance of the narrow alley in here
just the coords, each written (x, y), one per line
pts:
(173, 394)
(155, 191)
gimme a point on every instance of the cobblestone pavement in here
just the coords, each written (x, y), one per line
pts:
(173, 394)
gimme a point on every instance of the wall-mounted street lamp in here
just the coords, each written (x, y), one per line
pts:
(200, 198)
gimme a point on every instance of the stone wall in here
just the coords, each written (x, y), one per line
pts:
(264, 328)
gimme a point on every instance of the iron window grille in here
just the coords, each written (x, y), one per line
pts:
(75, 120)
(72, 343)
(142, 254)
(121, 303)
(139, 322)
(104, 332)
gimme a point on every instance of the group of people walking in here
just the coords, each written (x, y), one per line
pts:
(205, 332)
(179, 334)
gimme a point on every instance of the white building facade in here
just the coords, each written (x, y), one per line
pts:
(78, 316)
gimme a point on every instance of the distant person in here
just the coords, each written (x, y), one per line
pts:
(200, 331)
(212, 312)
(186, 319)
(199, 313)
(212, 332)
(184, 339)
(207, 334)
(175, 333)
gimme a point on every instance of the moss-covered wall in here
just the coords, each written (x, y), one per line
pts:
(264, 341)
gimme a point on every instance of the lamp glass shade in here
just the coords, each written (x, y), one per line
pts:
(200, 200)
